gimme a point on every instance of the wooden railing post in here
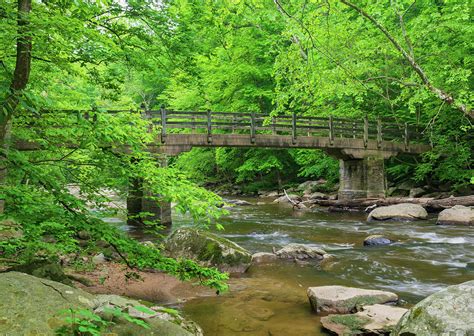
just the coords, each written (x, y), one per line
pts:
(274, 131)
(406, 136)
(353, 129)
(293, 127)
(252, 127)
(379, 132)
(233, 124)
(331, 130)
(366, 131)
(163, 124)
(209, 127)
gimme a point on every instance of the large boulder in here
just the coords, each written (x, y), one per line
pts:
(458, 214)
(208, 249)
(344, 300)
(449, 311)
(301, 252)
(35, 306)
(371, 320)
(402, 211)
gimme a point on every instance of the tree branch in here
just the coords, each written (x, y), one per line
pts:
(444, 96)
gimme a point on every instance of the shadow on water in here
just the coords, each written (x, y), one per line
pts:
(271, 299)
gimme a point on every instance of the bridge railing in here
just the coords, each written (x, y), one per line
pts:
(210, 122)
(295, 125)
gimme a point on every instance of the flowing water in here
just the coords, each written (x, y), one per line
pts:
(271, 299)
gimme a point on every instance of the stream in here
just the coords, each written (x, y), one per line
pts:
(271, 299)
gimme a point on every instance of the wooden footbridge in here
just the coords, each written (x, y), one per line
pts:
(182, 130)
(360, 144)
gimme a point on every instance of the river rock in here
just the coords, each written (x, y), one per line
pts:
(416, 192)
(301, 252)
(372, 320)
(447, 312)
(318, 196)
(263, 258)
(344, 300)
(35, 306)
(284, 199)
(376, 240)
(238, 202)
(458, 214)
(208, 249)
(402, 211)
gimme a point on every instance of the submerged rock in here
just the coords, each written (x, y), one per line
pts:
(208, 249)
(35, 306)
(263, 258)
(371, 320)
(402, 211)
(449, 311)
(343, 300)
(301, 252)
(376, 240)
(458, 214)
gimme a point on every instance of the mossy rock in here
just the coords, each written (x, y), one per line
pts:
(44, 269)
(208, 249)
(9, 229)
(371, 320)
(35, 306)
(450, 310)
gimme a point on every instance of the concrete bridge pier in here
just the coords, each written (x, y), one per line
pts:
(140, 200)
(362, 173)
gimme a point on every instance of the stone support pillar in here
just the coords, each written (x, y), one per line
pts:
(352, 177)
(362, 178)
(140, 200)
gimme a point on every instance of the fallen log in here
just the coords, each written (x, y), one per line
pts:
(430, 204)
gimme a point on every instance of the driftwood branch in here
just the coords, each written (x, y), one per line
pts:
(444, 96)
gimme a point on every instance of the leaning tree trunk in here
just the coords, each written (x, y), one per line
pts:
(18, 84)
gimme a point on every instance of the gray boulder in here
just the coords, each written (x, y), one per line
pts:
(402, 211)
(416, 192)
(447, 312)
(35, 306)
(208, 249)
(284, 200)
(318, 196)
(458, 214)
(301, 252)
(376, 240)
(371, 320)
(344, 300)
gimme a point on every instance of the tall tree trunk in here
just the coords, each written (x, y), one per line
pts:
(18, 84)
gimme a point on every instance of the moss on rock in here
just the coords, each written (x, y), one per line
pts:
(208, 249)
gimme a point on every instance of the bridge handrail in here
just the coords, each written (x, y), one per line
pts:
(250, 122)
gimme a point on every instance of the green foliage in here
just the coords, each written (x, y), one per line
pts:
(83, 322)
(316, 164)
